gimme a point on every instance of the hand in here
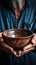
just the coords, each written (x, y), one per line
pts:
(9, 49)
(34, 40)
(6, 47)
(26, 50)
(29, 47)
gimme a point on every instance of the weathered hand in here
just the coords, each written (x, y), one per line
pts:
(29, 47)
(6, 47)
(25, 50)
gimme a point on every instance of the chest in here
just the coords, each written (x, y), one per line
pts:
(8, 20)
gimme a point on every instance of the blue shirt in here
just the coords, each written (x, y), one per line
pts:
(26, 21)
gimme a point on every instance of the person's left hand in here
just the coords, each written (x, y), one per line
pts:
(28, 48)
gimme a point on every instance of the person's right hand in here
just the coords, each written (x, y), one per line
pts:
(6, 47)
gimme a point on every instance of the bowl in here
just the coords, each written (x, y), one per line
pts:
(17, 38)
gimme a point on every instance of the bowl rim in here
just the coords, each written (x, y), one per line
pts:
(18, 37)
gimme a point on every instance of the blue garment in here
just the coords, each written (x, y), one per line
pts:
(26, 21)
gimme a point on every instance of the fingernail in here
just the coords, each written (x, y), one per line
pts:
(19, 52)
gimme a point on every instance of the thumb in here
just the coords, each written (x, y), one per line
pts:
(34, 40)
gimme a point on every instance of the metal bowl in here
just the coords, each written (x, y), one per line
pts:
(17, 38)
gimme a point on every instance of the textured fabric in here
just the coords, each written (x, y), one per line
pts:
(26, 21)
(8, 20)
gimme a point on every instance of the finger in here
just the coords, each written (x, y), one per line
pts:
(1, 39)
(7, 48)
(28, 46)
(27, 51)
(34, 40)
(20, 52)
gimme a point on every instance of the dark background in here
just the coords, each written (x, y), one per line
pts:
(32, 2)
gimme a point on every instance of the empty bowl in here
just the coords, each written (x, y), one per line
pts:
(17, 38)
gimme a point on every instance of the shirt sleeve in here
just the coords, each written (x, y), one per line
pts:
(34, 26)
(2, 28)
